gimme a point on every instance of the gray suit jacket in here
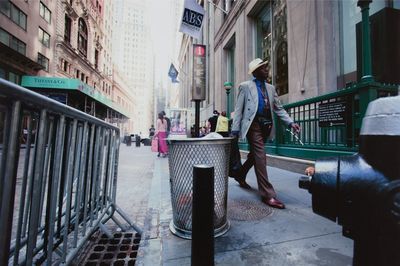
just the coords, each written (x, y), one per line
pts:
(247, 104)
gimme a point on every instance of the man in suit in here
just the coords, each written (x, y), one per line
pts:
(253, 119)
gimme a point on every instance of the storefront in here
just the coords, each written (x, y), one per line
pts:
(78, 95)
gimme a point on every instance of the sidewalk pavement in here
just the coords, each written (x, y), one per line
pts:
(258, 235)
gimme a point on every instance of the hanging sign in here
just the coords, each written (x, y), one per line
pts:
(192, 19)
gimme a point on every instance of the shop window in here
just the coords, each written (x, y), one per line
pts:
(44, 12)
(82, 37)
(44, 61)
(14, 13)
(67, 29)
(44, 37)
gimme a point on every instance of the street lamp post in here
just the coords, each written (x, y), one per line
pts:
(228, 86)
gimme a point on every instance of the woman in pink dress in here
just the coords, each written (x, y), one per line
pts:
(161, 134)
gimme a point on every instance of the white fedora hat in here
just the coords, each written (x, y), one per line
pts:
(256, 63)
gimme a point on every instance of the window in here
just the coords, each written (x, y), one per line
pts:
(272, 44)
(77, 73)
(350, 15)
(14, 13)
(12, 42)
(13, 77)
(44, 61)
(67, 29)
(44, 37)
(45, 13)
(96, 59)
(65, 66)
(82, 37)
(2, 73)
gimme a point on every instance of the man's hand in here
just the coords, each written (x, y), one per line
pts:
(310, 171)
(295, 127)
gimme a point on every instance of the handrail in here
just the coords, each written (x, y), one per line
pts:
(58, 176)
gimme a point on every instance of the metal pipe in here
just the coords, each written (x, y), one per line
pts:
(203, 215)
(77, 178)
(69, 179)
(88, 178)
(23, 190)
(57, 171)
(9, 182)
(37, 185)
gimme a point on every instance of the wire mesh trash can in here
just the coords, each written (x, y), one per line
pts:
(183, 154)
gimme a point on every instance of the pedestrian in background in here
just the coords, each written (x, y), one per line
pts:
(253, 119)
(161, 134)
(212, 121)
(222, 127)
(168, 129)
(152, 131)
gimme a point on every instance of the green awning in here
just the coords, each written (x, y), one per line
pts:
(70, 84)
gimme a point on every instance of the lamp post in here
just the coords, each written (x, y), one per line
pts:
(228, 86)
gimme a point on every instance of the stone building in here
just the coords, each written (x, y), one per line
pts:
(63, 49)
(27, 33)
(313, 47)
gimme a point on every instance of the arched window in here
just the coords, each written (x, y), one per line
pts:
(82, 37)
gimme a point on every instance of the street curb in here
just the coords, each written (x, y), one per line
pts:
(286, 163)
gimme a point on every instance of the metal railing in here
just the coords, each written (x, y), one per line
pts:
(318, 141)
(58, 176)
(342, 138)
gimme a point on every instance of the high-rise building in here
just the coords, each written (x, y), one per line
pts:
(133, 53)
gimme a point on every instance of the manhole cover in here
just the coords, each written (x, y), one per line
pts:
(119, 251)
(246, 210)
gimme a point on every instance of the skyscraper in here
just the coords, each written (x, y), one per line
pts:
(133, 53)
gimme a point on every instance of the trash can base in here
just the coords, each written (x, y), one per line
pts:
(188, 234)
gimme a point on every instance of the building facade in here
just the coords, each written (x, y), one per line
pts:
(27, 31)
(313, 47)
(133, 53)
(63, 49)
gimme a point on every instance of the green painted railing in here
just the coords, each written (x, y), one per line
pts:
(330, 140)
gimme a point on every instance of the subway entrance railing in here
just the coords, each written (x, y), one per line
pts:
(330, 139)
(58, 177)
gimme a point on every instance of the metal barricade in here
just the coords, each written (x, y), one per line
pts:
(58, 176)
(183, 155)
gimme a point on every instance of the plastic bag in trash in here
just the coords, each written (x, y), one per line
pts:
(213, 135)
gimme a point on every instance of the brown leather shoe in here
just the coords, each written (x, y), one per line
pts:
(242, 183)
(274, 203)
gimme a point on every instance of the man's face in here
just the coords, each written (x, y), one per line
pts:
(261, 72)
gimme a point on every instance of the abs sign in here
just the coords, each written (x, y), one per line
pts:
(192, 19)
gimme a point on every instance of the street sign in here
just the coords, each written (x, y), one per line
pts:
(332, 114)
(199, 73)
(192, 19)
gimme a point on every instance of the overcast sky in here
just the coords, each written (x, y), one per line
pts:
(164, 21)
